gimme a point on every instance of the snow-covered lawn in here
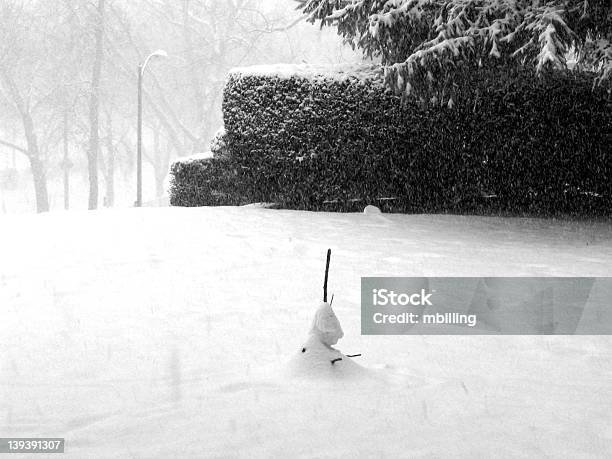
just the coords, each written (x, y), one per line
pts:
(166, 333)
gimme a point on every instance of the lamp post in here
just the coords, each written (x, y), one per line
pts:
(141, 70)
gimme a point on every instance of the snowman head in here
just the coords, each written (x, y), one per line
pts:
(326, 326)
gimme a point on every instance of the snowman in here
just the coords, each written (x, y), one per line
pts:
(317, 356)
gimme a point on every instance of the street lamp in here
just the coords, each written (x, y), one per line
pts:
(141, 70)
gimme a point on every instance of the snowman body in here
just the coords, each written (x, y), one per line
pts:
(317, 357)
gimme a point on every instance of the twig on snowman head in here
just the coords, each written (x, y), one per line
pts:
(326, 275)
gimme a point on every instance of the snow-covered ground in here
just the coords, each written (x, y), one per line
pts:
(174, 332)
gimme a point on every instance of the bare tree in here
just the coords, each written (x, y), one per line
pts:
(67, 81)
(19, 96)
(94, 107)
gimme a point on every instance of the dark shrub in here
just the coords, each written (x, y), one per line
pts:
(513, 144)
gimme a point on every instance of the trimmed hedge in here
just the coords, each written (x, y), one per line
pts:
(514, 144)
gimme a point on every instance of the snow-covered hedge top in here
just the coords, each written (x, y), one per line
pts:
(355, 71)
(194, 157)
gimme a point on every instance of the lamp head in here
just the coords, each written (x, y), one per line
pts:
(160, 53)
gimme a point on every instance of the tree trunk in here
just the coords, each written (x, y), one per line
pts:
(36, 164)
(161, 163)
(66, 163)
(39, 174)
(110, 166)
(40, 184)
(192, 70)
(94, 109)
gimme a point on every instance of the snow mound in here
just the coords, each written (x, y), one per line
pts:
(317, 358)
(371, 210)
(262, 205)
(339, 72)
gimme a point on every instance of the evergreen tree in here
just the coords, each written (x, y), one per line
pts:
(425, 41)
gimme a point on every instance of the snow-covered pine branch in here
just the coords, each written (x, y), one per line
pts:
(412, 37)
